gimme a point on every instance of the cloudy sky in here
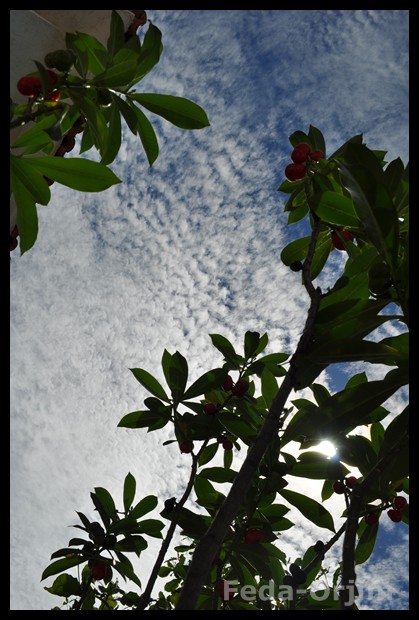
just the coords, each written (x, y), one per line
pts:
(188, 248)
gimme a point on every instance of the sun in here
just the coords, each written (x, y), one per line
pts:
(327, 448)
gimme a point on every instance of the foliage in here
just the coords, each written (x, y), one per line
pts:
(354, 189)
(98, 92)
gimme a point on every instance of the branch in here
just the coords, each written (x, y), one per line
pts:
(146, 596)
(31, 116)
(348, 553)
(208, 546)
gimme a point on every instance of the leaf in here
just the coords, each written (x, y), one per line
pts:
(269, 387)
(97, 54)
(349, 318)
(251, 343)
(151, 527)
(209, 381)
(309, 508)
(116, 38)
(337, 209)
(113, 145)
(218, 474)
(78, 173)
(66, 586)
(147, 504)
(226, 348)
(295, 251)
(208, 454)
(320, 469)
(366, 543)
(35, 134)
(34, 182)
(354, 349)
(237, 426)
(177, 110)
(150, 383)
(297, 137)
(26, 217)
(177, 376)
(61, 565)
(150, 52)
(126, 572)
(316, 139)
(321, 254)
(64, 552)
(117, 76)
(147, 134)
(106, 501)
(129, 491)
(128, 112)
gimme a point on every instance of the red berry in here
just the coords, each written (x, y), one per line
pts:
(186, 446)
(337, 241)
(351, 482)
(53, 96)
(253, 536)
(395, 515)
(240, 388)
(399, 502)
(228, 444)
(210, 408)
(371, 518)
(226, 592)
(300, 152)
(30, 86)
(339, 487)
(99, 570)
(295, 172)
(228, 384)
(316, 155)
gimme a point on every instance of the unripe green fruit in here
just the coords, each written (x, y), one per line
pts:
(62, 60)
(104, 97)
(298, 574)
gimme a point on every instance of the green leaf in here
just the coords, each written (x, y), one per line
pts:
(309, 508)
(145, 419)
(151, 527)
(129, 491)
(337, 209)
(126, 572)
(297, 137)
(208, 453)
(237, 426)
(355, 349)
(209, 381)
(147, 134)
(327, 490)
(107, 502)
(349, 318)
(321, 254)
(64, 552)
(61, 565)
(226, 348)
(150, 383)
(269, 387)
(82, 60)
(192, 524)
(393, 175)
(295, 215)
(128, 112)
(147, 504)
(218, 474)
(320, 469)
(117, 76)
(316, 139)
(32, 135)
(113, 145)
(177, 376)
(116, 38)
(177, 110)
(78, 173)
(295, 251)
(251, 343)
(263, 343)
(97, 55)
(366, 543)
(26, 217)
(150, 52)
(66, 586)
(33, 181)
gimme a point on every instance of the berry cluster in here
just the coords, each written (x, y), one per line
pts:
(337, 241)
(340, 486)
(371, 518)
(297, 170)
(31, 86)
(238, 389)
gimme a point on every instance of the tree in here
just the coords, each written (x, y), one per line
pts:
(354, 202)
(86, 88)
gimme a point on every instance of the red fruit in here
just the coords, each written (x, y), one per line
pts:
(399, 502)
(240, 388)
(253, 536)
(228, 444)
(371, 518)
(226, 592)
(30, 86)
(295, 172)
(53, 96)
(300, 152)
(339, 487)
(99, 570)
(186, 446)
(52, 77)
(210, 408)
(351, 482)
(228, 384)
(316, 155)
(337, 241)
(395, 515)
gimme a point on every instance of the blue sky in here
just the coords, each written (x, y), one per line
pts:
(187, 248)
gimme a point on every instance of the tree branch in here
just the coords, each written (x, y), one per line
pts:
(212, 540)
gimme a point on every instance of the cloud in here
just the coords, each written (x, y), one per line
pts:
(172, 254)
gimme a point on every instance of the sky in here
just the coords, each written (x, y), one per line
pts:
(184, 249)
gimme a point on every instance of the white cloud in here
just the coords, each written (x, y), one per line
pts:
(174, 253)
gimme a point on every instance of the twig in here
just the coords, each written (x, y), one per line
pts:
(213, 538)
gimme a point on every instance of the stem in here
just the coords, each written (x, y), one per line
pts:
(207, 547)
(348, 553)
(146, 596)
